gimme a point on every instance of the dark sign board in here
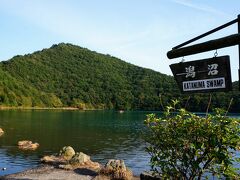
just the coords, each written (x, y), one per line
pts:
(206, 75)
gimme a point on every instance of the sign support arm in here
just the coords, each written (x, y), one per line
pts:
(239, 50)
(207, 33)
(205, 46)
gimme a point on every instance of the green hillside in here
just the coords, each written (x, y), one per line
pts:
(16, 93)
(86, 79)
(66, 75)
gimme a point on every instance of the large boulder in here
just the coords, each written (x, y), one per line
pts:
(116, 169)
(1, 131)
(79, 158)
(27, 145)
(67, 152)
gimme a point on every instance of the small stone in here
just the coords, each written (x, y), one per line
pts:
(27, 145)
(79, 158)
(66, 167)
(24, 143)
(1, 131)
(67, 152)
(54, 160)
(47, 159)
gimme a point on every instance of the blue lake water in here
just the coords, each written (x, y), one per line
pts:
(101, 134)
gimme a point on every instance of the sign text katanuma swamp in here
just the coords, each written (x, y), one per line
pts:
(204, 75)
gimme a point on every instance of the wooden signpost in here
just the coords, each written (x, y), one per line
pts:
(206, 75)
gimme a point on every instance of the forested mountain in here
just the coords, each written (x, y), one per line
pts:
(86, 79)
(66, 75)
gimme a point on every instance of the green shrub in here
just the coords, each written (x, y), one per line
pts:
(187, 146)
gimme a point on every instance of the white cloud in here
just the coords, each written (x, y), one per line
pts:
(200, 7)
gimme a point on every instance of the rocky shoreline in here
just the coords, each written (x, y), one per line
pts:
(51, 172)
(68, 164)
(47, 172)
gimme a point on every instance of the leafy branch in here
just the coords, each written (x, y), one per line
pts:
(185, 145)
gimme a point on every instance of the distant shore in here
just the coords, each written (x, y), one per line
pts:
(52, 108)
(39, 108)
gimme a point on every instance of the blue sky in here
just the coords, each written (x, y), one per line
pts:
(137, 31)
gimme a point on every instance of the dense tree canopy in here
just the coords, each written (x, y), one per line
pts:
(68, 75)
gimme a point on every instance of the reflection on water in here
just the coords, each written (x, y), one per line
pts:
(101, 134)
